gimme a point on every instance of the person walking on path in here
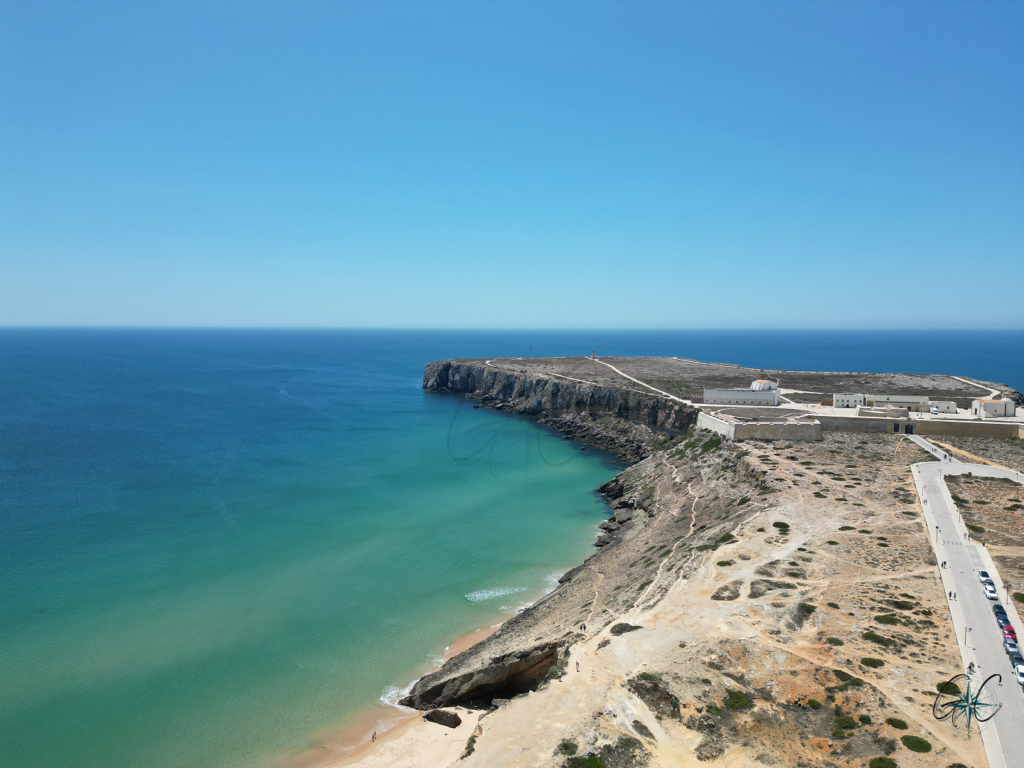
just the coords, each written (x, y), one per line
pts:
(577, 666)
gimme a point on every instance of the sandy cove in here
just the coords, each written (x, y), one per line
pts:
(752, 577)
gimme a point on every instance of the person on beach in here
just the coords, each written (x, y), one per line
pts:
(577, 666)
(373, 736)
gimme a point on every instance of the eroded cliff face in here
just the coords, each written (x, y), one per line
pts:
(619, 420)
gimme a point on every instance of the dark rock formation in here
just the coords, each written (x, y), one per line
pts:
(443, 717)
(502, 677)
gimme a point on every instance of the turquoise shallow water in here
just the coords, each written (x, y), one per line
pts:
(215, 545)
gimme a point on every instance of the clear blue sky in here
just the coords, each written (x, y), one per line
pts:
(516, 164)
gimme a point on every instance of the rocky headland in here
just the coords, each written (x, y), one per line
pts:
(747, 604)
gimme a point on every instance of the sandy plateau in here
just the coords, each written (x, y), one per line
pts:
(758, 604)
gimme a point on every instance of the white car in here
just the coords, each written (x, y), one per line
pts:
(983, 576)
(990, 591)
(1019, 671)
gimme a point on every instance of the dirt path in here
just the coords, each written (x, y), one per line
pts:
(641, 383)
(991, 392)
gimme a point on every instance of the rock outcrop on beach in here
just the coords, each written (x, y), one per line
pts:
(443, 717)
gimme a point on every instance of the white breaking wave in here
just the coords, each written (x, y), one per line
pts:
(551, 582)
(490, 594)
(393, 694)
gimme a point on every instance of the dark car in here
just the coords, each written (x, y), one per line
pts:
(1016, 659)
(1002, 619)
(997, 609)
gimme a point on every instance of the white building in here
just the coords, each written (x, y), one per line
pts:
(847, 400)
(988, 408)
(895, 400)
(761, 385)
(942, 406)
(742, 396)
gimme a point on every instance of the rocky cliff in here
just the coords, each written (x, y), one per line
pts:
(617, 419)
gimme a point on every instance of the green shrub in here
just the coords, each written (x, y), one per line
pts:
(974, 528)
(867, 661)
(834, 641)
(1019, 597)
(903, 605)
(949, 688)
(916, 744)
(843, 676)
(593, 761)
(865, 719)
(895, 722)
(726, 563)
(882, 762)
(846, 528)
(781, 526)
(725, 538)
(833, 543)
(838, 733)
(887, 618)
(743, 501)
(814, 704)
(833, 605)
(622, 628)
(647, 676)
(711, 445)
(875, 638)
(737, 700)
(846, 722)
(567, 748)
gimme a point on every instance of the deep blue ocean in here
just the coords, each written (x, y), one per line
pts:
(218, 547)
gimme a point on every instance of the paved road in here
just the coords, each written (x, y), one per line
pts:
(1004, 734)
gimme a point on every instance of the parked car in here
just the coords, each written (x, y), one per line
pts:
(997, 609)
(990, 592)
(1010, 647)
(1018, 670)
(1016, 660)
(1010, 633)
(1003, 620)
(983, 576)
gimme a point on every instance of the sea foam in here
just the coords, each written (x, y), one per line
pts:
(490, 594)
